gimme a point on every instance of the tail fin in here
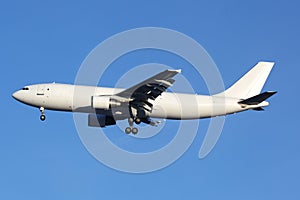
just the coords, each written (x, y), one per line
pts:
(251, 83)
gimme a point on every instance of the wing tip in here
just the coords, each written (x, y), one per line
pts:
(175, 70)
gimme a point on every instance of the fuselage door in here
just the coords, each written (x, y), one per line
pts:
(40, 90)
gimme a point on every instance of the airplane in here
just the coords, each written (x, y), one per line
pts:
(149, 99)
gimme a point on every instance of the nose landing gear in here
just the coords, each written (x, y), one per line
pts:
(42, 117)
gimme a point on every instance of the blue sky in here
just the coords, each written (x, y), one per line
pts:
(257, 156)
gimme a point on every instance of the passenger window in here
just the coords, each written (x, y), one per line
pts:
(25, 88)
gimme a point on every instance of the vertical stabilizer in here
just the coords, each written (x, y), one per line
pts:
(251, 83)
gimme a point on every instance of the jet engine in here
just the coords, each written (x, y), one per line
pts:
(103, 102)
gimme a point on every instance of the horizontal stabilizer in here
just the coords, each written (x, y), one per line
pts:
(257, 99)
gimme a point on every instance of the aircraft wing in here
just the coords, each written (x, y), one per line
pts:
(151, 88)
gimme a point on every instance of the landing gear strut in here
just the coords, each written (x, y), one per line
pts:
(42, 117)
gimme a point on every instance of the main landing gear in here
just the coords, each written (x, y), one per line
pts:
(42, 117)
(132, 129)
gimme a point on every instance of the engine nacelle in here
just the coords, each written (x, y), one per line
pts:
(95, 120)
(103, 102)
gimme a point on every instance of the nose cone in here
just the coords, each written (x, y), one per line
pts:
(17, 95)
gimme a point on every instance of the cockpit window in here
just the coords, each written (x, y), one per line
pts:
(25, 88)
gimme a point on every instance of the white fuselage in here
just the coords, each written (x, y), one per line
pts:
(65, 97)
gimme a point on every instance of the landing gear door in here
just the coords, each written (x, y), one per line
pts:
(40, 90)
